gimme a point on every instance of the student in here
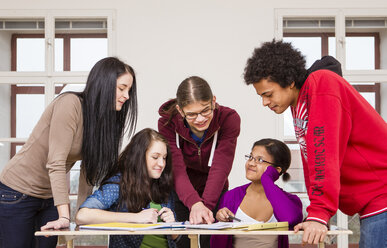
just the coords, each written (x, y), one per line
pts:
(203, 137)
(139, 190)
(260, 201)
(341, 136)
(87, 125)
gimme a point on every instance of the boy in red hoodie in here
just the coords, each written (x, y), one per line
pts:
(341, 136)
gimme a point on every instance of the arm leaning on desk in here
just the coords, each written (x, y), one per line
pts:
(192, 233)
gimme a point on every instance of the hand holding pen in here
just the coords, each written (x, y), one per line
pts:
(225, 215)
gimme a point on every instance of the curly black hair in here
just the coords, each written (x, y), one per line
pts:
(278, 62)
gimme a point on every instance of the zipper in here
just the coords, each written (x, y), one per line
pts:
(199, 147)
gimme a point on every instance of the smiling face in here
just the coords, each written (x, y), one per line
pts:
(201, 123)
(254, 170)
(275, 97)
(124, 84)
(156, 158)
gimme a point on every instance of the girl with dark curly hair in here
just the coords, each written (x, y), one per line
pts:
(341, 136)
(139, 190)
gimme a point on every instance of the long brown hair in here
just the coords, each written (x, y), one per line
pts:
(137, 189)
(192, 89)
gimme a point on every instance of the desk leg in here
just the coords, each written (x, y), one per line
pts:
(193, 240)
(321, 245)
(70, 243)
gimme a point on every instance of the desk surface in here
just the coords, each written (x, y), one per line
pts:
(178, 232)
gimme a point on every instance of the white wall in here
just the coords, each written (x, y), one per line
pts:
(169, 40)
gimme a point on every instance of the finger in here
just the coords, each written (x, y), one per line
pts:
(323, 236)
(164, 210)
(298, 227)
(317, 238)
(311, 237)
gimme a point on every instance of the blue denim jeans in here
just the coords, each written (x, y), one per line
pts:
(20, 216)
(373, 231)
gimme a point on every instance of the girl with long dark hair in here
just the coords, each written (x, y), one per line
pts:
(86, 126)
(139, 190)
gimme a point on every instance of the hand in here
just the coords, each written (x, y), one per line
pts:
(56, 224)
(166, 215)
(147, 216)
(314, 232)
(200, 214)
(224, 214)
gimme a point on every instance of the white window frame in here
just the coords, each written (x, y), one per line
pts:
(50, 77)
(356, 76)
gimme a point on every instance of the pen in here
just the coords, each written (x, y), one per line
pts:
(234, 218)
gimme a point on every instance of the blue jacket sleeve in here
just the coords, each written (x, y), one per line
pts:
(105, 197)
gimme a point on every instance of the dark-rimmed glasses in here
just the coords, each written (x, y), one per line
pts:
(258, 160)
(205, 112)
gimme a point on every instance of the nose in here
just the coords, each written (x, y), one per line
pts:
(200, 118)
(126, 94)
(251, 162)
(265, 101)
(161, 162)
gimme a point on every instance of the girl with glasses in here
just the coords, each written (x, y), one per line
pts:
(138, 190)
(260, 201)
(203, 136)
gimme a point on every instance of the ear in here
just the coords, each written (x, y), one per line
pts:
(179, 110)
(292, 85)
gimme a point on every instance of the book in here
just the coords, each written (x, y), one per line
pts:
(130, 226)
(271, 225)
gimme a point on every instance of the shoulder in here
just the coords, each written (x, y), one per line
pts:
(240, 190)
(68, 101)
(227, 114)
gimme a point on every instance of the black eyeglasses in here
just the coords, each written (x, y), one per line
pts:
(205, 112)
(258, 160)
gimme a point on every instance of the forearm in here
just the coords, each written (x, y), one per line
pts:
(63, 211)
(278, 198)
(95, 216)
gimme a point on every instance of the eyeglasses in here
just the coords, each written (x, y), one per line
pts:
(205, 112)
(257, 160)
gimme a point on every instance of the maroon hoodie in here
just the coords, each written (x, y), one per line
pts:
(194, 179)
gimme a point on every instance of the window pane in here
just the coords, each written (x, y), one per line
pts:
(59, 54)
(85, 52)
(296, 182)
(360, 53)
(310, 47)
(332, 46)
(29, 108)
(5, 151)
(30, 54)
(288, 123)
(370, 97)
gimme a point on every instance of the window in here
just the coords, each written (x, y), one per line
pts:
(44, 53)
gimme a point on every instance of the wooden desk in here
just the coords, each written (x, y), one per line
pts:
(193, 234)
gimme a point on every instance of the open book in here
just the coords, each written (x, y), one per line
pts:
(215, 226)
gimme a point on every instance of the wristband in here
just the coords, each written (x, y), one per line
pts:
(65, 218)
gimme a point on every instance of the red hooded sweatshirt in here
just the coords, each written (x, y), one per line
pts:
(343, 146)
(195, 179)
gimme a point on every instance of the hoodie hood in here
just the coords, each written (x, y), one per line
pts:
(327, 63)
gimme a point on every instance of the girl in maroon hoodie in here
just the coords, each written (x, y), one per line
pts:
(202, 136)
